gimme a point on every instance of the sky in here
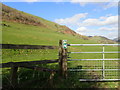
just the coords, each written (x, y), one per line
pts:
(86, 18)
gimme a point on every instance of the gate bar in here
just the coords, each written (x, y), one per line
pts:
(93, 52)
(99, 79)
(103, 63)
(90, 59)
(93, 69)
(93, 44)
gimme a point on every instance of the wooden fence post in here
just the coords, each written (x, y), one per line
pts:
(14, 76)
(63, 58)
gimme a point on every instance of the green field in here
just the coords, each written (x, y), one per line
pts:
(50, 34)
(34, 35)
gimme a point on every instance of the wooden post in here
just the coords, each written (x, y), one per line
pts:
(51, 79)
(63, 58)
(14, 76)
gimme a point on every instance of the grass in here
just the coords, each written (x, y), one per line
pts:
(73, 79)
(37, 35)
(48, 33)
(95, 64)
(19, 55)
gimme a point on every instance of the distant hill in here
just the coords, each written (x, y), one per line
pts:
(101, 39)
(23, 28)
(117, 39)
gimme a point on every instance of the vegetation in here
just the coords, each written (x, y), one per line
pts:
(27, 34)
(21, 28)
(10, 14)
(101, 39)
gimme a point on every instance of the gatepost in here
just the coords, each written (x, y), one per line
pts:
(63, 58)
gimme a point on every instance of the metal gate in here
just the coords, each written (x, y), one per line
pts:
(103, 69)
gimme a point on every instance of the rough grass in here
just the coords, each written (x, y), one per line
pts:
(73, 77)
(19, 55)
(36, 35)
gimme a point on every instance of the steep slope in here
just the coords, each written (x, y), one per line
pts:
(11, 14)
(23, 28)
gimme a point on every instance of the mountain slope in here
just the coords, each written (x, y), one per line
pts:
(23, 28)
(10, 14)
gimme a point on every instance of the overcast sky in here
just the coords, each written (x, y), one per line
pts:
(93, 18)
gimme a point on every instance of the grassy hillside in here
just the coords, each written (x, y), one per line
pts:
(32, 30)
(10, 14)
(16, 33)
(28, 31)
(101, 39)
(22, 28)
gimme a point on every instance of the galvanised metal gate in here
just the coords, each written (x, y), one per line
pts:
(105, 69)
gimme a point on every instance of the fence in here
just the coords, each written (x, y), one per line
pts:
(104, 69)
(32, 64)
(27, 64)
(62, 61)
